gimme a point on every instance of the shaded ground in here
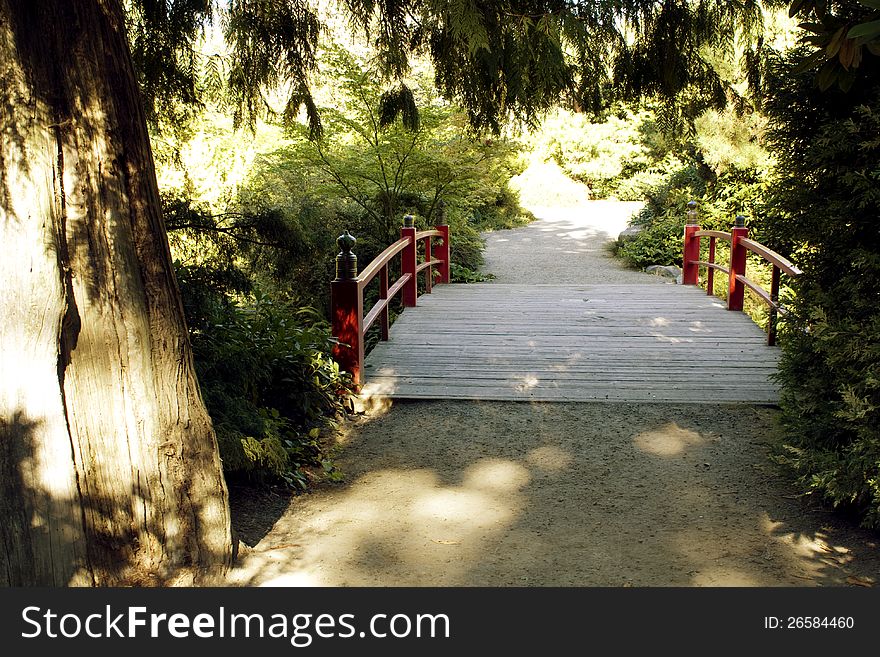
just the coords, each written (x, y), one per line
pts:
(535, 494)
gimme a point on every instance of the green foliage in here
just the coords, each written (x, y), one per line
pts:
(251, 259)
(460, 274)
(268, 381)
(496, 60)
(723, 168)
(366, 176)
(843, 39)
(605, 156)
(161, 35)
(825, 203)
(731, 142)
(659, 243)
(263, 361)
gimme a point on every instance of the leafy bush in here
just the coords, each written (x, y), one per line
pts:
(724, 169)
(663, 218)
(659, 243)
(605, 155)
(268, 380)
(825, 206)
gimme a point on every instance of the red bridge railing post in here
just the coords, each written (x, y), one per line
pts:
(409, 262)
(736, 290)
(441, 252)
(690, 270)
(347, 311)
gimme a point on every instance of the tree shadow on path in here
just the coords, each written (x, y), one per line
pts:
(499, 494)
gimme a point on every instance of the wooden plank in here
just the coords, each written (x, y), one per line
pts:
(574, 343)
(624, 370)
(643, 395)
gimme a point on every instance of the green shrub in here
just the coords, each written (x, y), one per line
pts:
(825, 206)
(659, 243)
(600, 154)
(724, 170)
(268, 381)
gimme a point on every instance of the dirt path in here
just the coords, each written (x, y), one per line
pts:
(565, 246)
(500, 494)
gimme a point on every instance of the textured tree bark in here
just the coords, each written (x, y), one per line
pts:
(109, 470)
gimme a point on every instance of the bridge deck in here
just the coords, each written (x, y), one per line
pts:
(638, 343)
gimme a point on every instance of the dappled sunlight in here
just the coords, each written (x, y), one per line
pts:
(669, 338)
(800, 559)
(404, 521)
(549, 458)
(715, 560)
(526, 382)
(379, 388)
(668, 440)
(815, 553)
(549, 495)
(498, 475)
(658, 322)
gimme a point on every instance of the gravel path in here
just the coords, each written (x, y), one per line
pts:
(534, 494)
(565, 246)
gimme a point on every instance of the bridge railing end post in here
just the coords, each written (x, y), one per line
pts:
(347, 311)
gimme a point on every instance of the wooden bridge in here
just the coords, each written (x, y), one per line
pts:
(621, 343)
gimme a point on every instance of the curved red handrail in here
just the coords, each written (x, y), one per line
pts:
(349, 321)
(736, 272)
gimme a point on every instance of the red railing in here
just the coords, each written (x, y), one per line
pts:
(347, 292)
(736, 272)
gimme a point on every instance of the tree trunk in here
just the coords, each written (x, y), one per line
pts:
(109, 470)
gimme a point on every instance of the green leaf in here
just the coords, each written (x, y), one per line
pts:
(846, 80)
(870, 30)
(816, 28)
(827, 76)
(810, 62)
(836, 41)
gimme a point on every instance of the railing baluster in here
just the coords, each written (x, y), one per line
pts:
(441, 252)
(429, 271)
(774, 305)
(710, 275)
(690, 274)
